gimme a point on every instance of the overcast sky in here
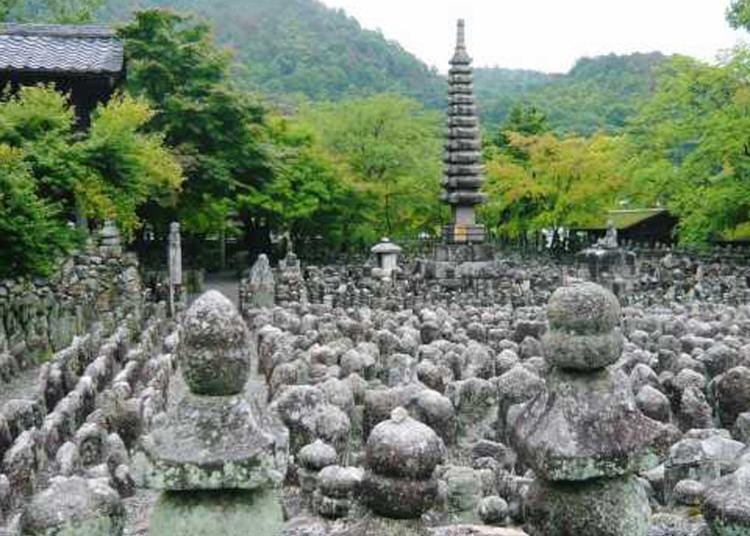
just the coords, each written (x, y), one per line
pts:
(548, 35)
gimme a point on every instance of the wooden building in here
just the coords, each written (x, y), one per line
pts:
(643, 226)
(86, 62)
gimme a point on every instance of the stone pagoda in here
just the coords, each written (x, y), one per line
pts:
(463, 158)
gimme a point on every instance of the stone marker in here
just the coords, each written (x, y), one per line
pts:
(175, 266)
(109, 240)
(211, 441)
(402, 454)
(584, 435)
(261, 286)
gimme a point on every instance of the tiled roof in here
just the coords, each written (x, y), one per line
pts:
(60, 48)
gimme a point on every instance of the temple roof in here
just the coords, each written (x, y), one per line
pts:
(73, 49)
(623, 219)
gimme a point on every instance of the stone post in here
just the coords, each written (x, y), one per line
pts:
(218, 466)
(175, 266)
(583, 435)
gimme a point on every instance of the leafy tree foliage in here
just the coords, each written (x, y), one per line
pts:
(597, 94)
(689, 147)
(306, 197)
(391, 149)
(32, 233)
(217, 131)
(559, 182)
(303, 47)
(738, 14)
(52, 172)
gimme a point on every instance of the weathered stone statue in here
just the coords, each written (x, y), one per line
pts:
(610, 239)
(261, 285)
(210, 439)
(583, 435)
(402, 454)
(109, 240)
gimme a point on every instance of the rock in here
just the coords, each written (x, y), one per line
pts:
(401, 455)
(337, 487)
(123, 482)
(688, 493)
(741, 428)
(695, 412)
(464, 493)
(733, 395)
(493, 510)
(193, 451)
(587, 426)
(317, 455)
(403, 447)
(68, 459)
(91, 440)
(620, 506)
(675, 525)
(209, 512)
(727, 504)
(77, 505)
(261, 284)
(654, 404)
(214, 347)
(437, 412)
(583, 319)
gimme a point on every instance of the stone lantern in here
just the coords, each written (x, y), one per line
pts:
(387, 254)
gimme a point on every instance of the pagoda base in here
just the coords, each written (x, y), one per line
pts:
(464, 234)
(451, 262)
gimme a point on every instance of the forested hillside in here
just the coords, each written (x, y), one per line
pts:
(301, 47)
(597, 94)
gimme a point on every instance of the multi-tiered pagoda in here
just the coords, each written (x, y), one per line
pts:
(463, 157)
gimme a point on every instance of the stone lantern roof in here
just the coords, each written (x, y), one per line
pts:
(385, 247)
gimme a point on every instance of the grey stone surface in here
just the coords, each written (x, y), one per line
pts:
(601, 507)
(727, 504)
(401, 456)
(211, 443)
(74, 506)
(588, 426)
(214, 351)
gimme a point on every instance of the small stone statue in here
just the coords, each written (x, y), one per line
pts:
(610, 239)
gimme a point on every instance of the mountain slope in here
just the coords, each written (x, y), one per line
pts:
(598, 93)
(288, 47)
(301, 46)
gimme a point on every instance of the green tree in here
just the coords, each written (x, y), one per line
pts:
(306, 197)
(738, 14)
(108, 172)
(218, 132)
(526, 120)
(689, 148)
(32, 232)
(562, 182)
(391, 149)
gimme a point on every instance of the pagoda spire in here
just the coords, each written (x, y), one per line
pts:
(464, 173)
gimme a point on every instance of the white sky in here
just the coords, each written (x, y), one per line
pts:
(548, 35)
